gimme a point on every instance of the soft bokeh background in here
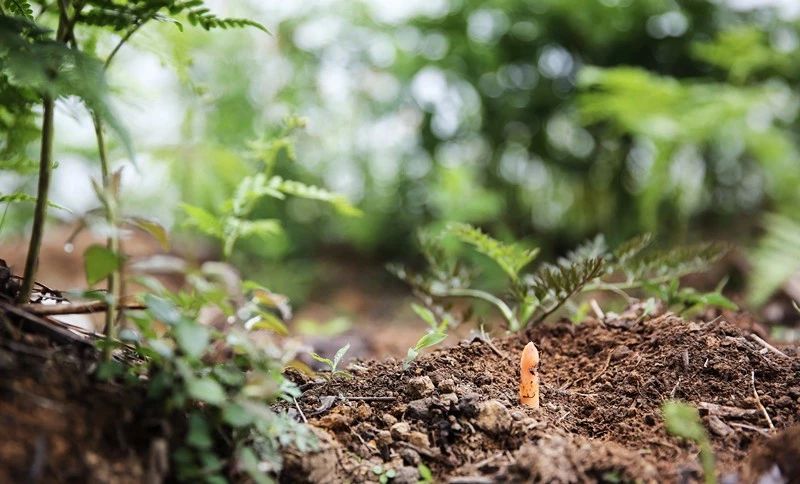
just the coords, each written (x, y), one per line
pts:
(543, 120)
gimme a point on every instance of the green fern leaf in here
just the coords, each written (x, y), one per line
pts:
(674, 263)
(311, 192)
(554, 284)
(510, 257)
(20, 8)
(775, 259)
(631, 248)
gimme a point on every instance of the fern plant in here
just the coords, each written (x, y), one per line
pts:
(776, 258)
(233, 221)
(530, 297)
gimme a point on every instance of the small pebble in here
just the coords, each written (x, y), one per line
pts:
(400, 430)
(388, 419)
(447, 386)
(420, 386)
(419, 439)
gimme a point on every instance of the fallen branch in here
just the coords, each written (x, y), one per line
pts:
(39, 324)
(75, 308)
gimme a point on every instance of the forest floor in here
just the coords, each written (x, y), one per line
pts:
(455, 410)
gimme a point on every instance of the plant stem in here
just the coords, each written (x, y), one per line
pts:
(63, 32)
(113, 244)
(498, 303)
(42, 191)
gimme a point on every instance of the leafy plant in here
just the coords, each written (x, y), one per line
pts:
(333, 365)
(531, 297)
(435, 335)
(688, 299)
(683, 420)
(218, 383)
(233, 222)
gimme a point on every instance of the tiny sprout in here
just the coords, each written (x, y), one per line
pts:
(529, 377)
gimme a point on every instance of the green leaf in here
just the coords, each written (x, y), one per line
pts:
(207, 390)
(337, 358)
(24, 197)
(99, 263)
(268, 321)
(430, 339)
(153, 228)
(321, 359)
(203, 220)
(192, 338)
(236, 415)
(426, 315)
(199, 435)
(718, 300)
(162, 309)
(249, 462)
(510, 257)
(683, 420)
(425, 473)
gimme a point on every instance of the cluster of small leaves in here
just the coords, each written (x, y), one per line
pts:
(437, 332)
(533, 297)
(234, 223)
(333, 365)
(215, 382)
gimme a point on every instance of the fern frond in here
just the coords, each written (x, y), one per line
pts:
(312, 192)
(631, 248)
(552, 284)
(674, 263)
(775, 259)
(592, 248)
(203, 17)
(20, 8)
(510, 257)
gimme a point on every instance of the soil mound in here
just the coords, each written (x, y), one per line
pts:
(603, 384)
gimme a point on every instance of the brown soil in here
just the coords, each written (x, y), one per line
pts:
(61, 425)
(456, 409)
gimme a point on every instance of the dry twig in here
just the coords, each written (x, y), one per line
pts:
(768, 346)
(758, 399)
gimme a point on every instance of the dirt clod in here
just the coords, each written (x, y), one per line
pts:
(419, 387)
(493, 417)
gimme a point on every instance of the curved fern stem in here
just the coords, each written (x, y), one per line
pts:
(499, 304)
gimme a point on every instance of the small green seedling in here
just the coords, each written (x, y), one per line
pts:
(333, 365)
(683, 420)
(384, 475)
(425, 474)
(435, 335)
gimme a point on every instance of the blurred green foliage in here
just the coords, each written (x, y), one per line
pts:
(547, 120)
(553, 118)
